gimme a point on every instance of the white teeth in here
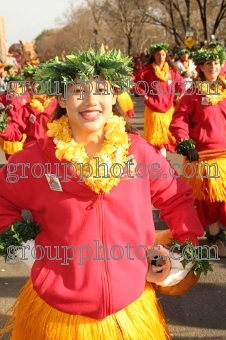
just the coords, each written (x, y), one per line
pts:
(90, 114)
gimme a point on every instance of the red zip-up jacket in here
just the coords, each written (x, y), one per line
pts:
(16, 101)
(28, 120)
(205, 124)
(161, 93)
(110, 230)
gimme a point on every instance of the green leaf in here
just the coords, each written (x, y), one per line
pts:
(17, 233)
(4, 119)
(188, 250)
(112, 64)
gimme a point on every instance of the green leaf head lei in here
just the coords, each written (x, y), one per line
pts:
(8, 67)
(159, 47)
(202, 55)
(14, 77)
(183, 51)
(215, 44)
(112, 65)
(29, 71)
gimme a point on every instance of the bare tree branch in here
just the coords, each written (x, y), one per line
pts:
(202, 10)
(220, 16)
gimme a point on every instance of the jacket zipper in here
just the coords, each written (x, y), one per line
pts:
(103, 262)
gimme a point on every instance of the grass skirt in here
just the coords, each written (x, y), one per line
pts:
(11, 147)
(33, 319)
(126, 104)
(156, 127)
(207, 178)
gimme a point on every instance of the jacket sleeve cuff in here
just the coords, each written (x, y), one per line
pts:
(189, 236)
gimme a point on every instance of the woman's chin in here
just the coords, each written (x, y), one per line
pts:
(212, 78)
(93, 126)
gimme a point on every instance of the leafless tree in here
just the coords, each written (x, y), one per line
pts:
(206, 13)
(121, 16)
(132, 25)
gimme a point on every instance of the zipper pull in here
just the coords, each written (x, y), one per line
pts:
(97, 199)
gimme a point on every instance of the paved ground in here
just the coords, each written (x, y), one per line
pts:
(198, 314)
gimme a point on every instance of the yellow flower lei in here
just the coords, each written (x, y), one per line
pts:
(39, 104)
(114, 151)
(212, 95)
(164, 73)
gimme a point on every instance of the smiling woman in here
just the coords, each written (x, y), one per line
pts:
(88, 116)
(100, 298)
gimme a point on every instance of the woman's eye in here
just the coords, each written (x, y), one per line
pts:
(79, 91)
(101, 90)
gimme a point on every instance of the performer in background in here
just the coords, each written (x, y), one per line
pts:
(11, 102)
(186, 67)
(31, 118)
(161, 85)
(199, 126)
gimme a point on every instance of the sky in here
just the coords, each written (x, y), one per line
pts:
(26, 19)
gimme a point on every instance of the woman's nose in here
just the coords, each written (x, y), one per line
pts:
(90, 98)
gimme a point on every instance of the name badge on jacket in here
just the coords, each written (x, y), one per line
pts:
(32, 118)
(53, 182)
(205, 101)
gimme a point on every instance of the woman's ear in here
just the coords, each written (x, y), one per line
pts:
(61, 101)
(201, 67)
(114, 99)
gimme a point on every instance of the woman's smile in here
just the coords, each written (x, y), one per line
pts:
(90, 115)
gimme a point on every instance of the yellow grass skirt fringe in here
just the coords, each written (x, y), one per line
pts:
(11, 147)
(156, 126)
(125, 102)
(33, 319)
(207, 178)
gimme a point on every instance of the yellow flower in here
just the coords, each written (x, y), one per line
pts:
(39, 104)
(164, 73)
(212, 96)
(53, 129)
(114, 150)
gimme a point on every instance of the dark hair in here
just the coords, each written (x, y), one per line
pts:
(220, 81)
(116, 109)
(171, 63)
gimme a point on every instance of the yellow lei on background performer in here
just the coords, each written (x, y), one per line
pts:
(39, 104)
(113, 153)
(214, 96)
(164, 73)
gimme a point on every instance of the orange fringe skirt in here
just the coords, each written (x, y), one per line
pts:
(10, 148)
(33, 319)
(126, 104)
(156, 127)
(207, 178)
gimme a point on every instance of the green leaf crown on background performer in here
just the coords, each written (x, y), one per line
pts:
(202, 55)
(29, 71)
(183, 51)
(14, 77)
(113, 65)
(159, 47)
(8, 67)
(215, 44)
